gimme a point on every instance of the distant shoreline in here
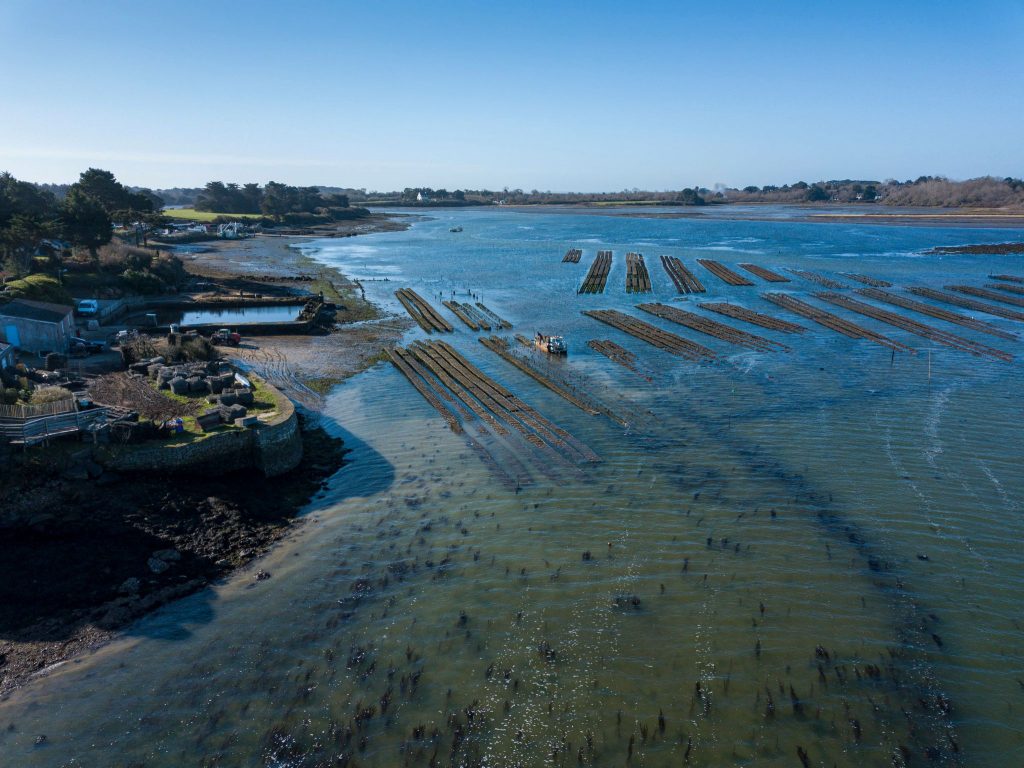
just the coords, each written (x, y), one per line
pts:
(981, 220)
(803, 214)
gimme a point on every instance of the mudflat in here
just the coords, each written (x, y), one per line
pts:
(111, 548)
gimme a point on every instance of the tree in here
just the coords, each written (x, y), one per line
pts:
(23, 197)
(102, 186)
(213, 197)
(816, 194)
(336, 200)
(110, 193)
(690, 197)
(305, 198)
(19, 239)
(870, 192)
(277, 200)
(253, 196)
(26, 216)
(85, 221)
(155, 200)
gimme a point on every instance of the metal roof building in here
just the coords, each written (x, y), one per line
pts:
(37, 326)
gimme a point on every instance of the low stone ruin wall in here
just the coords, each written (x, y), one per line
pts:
(272, 446)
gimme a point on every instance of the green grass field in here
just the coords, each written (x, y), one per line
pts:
(193, 215)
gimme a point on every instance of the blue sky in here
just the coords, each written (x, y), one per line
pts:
(562, 96)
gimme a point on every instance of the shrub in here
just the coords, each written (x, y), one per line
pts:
(170, 270)
(112, 256)
(198, 349)
(346, 214)
(38, 288)
(48, 394)
(190, 349)
(142, 281)
(305, 219)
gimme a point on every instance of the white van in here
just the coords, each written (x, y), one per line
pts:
(87, 307)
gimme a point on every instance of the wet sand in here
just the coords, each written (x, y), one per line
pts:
(304, 366)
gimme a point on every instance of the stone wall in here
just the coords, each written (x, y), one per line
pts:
(278, 448)
(274, 446)
(283, 328)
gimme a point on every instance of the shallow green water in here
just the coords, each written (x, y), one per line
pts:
(826, 542)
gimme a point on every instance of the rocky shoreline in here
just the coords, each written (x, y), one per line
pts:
(983, 248)
(84, 553)
(81, 558)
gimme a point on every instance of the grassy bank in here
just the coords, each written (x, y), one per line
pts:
(191, 214)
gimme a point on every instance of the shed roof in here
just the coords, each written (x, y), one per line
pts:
(35, 310)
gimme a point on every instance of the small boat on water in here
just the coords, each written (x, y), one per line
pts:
(553, 345)
(455, 229)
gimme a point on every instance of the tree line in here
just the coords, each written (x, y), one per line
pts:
(83, 215)
(844, 191)
(984, 192)
(924, 191)
(274, 199)
(427, 196)
(33, 217)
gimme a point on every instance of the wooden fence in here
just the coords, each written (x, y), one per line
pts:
(49, 420)
(23, 411)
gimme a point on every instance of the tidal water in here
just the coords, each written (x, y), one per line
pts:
(806, 556)
(278, 313)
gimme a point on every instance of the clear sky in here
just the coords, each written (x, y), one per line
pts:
(586, 95)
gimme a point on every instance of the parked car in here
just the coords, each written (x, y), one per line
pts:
(86, 345)
(88, 307)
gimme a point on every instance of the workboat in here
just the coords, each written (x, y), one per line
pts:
(553, 345)
(455, 229)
